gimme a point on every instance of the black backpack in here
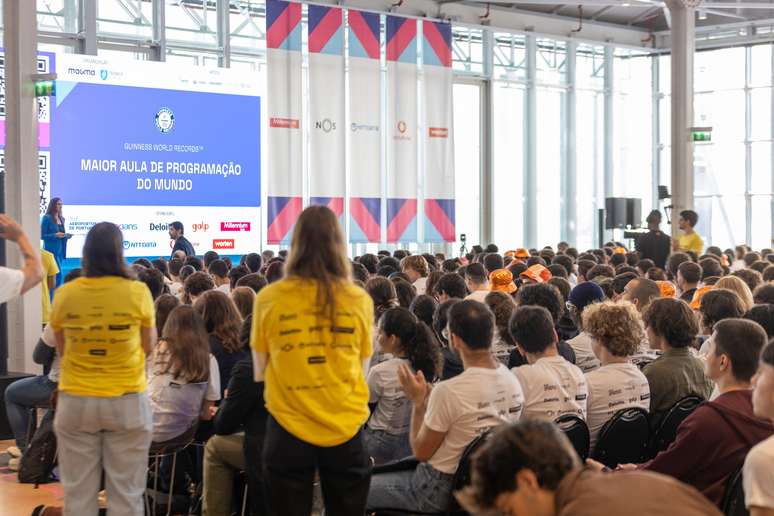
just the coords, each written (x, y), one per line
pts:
(39, 459)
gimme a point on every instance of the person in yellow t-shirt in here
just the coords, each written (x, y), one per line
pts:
(104, 323)
(690, 240)
(311, 340)
(50, 270)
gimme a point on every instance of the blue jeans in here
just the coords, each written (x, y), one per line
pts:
(425, 489)
(20, 397)
(385, 447)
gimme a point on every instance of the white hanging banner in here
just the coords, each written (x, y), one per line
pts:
(439, 208)
(401, 127)
(365, 135)
(285, 159)
(327, 174)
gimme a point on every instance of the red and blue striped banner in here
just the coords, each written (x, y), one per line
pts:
(402, 135)
(439, 207)
(365, 128)
(284, 93)
(327, 164)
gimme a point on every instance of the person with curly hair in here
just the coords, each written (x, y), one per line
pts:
(409, 341)
(617, 384)
(502, 306)
(672, 328)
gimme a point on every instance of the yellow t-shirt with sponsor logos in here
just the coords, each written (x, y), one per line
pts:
(315, 386)
(50, 269)
(101, 319)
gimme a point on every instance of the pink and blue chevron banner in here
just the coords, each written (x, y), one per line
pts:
(284, 93)
(365, 128)
(327, 136)
(402, 123)
(439, 208)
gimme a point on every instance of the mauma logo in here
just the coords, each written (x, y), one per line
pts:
(139, 245)
(88, 72)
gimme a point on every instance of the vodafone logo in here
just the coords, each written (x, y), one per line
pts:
(402, 127)
(235, 226)
(223, 243)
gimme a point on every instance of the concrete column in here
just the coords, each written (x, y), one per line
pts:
(683, 46)
(530, 146)
(158, 51)
(224, 33)
(21, 169)
(609, 134)
(87, 27)
(486, 219)
(569, 206)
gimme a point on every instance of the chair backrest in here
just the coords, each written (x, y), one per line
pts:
(462, 476)
(667, 431)
(577, 432)
(733, 498)
(624, 438)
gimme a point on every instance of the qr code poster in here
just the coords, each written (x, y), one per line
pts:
(44, 103)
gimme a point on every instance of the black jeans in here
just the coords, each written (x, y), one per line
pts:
(289, 467)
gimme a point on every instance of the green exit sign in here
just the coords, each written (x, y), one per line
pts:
(45, 88)
(701, 134)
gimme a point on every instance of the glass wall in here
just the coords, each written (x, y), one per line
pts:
(495, 78)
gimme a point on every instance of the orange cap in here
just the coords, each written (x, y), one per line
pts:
(522, 253)
(667, 289)
(696, 301)
(619, 250)
(502, 280)
(537, 273)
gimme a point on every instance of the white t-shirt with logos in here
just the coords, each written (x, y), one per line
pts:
(11, 281)
(614, 387)
(584, 353)
(393, 410)
(421, 285)
(466, 406)
(176, 403)
(225, 288)
(758, 475)
(49, 339)
(478, 295)
(552, 387)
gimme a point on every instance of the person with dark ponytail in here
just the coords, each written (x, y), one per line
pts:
(409, 341)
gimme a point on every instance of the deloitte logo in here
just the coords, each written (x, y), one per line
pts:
(165, 120)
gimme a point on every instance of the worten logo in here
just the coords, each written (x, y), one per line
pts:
(235, 226)
(327, 125)
(82, 71)
(223, 243)
(438, 132)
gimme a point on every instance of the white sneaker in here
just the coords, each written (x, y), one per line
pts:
(13, 464)
(14, 451)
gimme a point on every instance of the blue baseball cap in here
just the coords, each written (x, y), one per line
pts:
(585, 294)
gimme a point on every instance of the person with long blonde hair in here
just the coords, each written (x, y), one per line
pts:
(312, 340)
(740, 288)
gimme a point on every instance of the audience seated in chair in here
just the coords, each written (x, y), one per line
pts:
(672, 328)
(712, 442)
(581, 297)
(758, 470)
(552, 386)
(618, 384)
(530, 468)
(446, 418)
(410, 342)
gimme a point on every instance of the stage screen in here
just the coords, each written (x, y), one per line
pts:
(142, 144)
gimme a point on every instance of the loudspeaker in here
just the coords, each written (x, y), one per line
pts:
(615, 212)
(633, 212)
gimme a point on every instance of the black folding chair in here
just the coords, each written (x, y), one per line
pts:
(733, 498)
(624, 439)
(460, 481)
(577, 432)
(667, 430)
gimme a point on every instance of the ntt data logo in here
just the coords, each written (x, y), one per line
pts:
(139, 245)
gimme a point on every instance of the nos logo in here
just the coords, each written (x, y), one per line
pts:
(326, 125)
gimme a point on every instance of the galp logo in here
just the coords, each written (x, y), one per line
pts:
(201, 226)
(235, 226)
(223, 243)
